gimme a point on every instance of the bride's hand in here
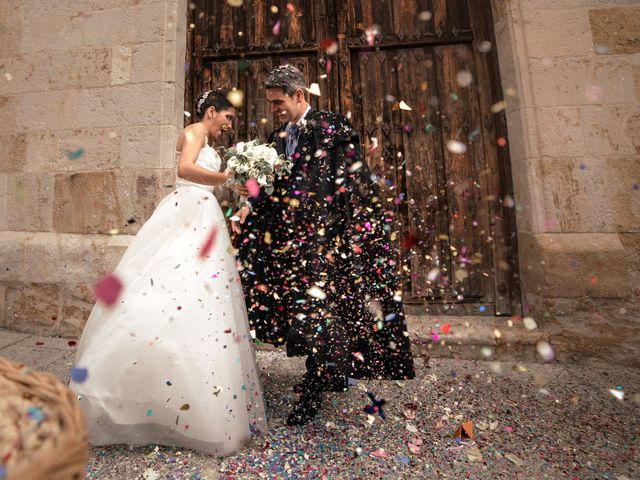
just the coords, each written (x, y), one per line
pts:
(241, 190)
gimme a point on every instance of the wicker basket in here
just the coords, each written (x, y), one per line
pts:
(43, 434)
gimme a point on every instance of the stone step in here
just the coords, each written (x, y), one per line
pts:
(473, 338)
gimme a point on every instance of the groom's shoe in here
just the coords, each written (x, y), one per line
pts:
(338, 383)
(305, 409)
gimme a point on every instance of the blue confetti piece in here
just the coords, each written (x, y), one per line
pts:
(79, 374)
(149, 413)
(483, 308)
(36, 414)
(391, 316)
(403, 459)
(352, 381)
(75, 154)
(3, 472)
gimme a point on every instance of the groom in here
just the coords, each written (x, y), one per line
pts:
(318, 268)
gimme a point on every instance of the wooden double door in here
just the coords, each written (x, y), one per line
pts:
(420, 81)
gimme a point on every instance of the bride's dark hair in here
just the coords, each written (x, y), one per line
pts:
(216, 98)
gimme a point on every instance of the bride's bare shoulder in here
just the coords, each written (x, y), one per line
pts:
(193, 133)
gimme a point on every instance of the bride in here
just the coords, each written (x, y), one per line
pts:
(171, 362)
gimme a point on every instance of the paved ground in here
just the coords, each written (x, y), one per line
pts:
(531, 421)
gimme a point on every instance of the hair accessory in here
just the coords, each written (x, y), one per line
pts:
(203, 99)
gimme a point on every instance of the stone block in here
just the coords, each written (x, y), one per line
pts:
(71, 8)
(611, 130)
(52, 33)
(29, 202)
(582, 328)
(78, 301)
(8, 338)
(26, 74)
(529, 195)
(574, 265)
(561, 133)
(591, 194)
(116, 246)
(9, 27)
(120, 65)
(124, 201)
(78, 68)
(3, 201)
(616, 28)
(33, 307)
(14, 152)
(558, 33)
(64, 258)
(172, 105)
(572, 81)
(147, 63)
(140, 104)
(528, 6)
(149, 147)
(8, 112)
(122, 25)
(86, 203)
(631, 243)
(3, 295)
(73, 150)
(61, 110)
(12, 252)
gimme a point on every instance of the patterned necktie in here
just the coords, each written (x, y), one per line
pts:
(292, 138)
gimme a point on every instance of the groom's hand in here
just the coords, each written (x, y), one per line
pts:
(239, 217)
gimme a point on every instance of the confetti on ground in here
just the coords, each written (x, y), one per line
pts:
(342, 444)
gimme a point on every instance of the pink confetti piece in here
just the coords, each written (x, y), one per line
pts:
(209, 243)
(414, 449)
(253, 187)
(108, 290)
(276, 28)
(380, 453)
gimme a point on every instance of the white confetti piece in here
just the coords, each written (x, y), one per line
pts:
(456, 147)
(619, 394)
(464, 78)
(545, 351)
(314, 89)
(316, 292)
(404, 106)
(529, 323)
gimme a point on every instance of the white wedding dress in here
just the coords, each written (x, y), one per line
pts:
(172, 363)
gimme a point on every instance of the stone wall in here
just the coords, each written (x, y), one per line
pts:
(91, 101)
(574, 130)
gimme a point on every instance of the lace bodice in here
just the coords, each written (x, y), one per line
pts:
(207, 158)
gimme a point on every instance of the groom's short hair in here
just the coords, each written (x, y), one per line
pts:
(287, 77)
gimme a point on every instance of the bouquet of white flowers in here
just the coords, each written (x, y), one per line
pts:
(260, 162)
